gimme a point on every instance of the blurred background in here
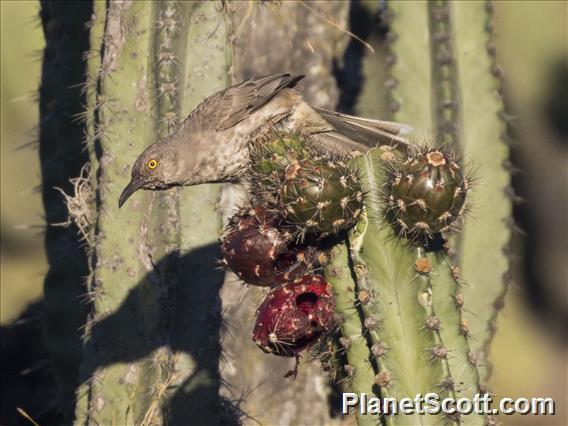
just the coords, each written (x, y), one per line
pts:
(529, 351)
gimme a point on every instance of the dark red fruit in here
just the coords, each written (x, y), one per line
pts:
(260, 253)
(294, 316)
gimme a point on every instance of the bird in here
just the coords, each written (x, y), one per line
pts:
(212, 144)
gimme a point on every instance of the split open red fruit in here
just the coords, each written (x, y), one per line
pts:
(295, 315)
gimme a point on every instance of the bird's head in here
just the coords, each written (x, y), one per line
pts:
(156, 168)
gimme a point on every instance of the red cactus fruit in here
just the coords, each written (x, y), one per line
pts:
(260, 253)
(294, 316)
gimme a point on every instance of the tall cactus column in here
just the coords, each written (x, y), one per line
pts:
(418, 310)
(122, 106)
(152, 341)
(409, 314)
(484, 245)
(464, 107)
(205, 60)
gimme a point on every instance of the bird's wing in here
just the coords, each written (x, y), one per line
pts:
(347, 133)
(391, 127)
(238, 102)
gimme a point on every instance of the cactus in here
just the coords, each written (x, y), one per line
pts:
(484, 245)
(411, 297)
(360, 368)
(151, 342)
(467, 113)
(143, 354)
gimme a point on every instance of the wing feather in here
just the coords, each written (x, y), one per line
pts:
(239, 102)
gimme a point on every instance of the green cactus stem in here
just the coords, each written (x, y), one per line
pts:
(360, 372)
(483, 246)
(413, 300)
(204, 59)
(465, 109)
(120, 127)
(146, 351)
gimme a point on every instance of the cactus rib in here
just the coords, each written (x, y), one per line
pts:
(484, 261)
(360, 371)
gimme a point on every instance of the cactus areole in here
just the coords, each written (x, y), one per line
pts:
(294, 316)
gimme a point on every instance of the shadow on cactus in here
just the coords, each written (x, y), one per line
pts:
(118, 340)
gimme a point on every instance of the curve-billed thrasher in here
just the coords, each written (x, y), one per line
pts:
(211, 144)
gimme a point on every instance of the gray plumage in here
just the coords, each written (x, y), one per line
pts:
(211, 144)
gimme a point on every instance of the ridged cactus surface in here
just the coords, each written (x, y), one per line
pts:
(464, 108)
(484, 245)
(146, 351)
(417, 307)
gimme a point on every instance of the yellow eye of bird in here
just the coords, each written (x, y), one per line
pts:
(152, 164)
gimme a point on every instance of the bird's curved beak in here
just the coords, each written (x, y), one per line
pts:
(131, 188)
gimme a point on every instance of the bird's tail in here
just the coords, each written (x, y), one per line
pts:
(350, 133)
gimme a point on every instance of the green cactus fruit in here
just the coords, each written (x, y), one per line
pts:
(273, 152)
(425, 194)
(320, 196)
(261, 253)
